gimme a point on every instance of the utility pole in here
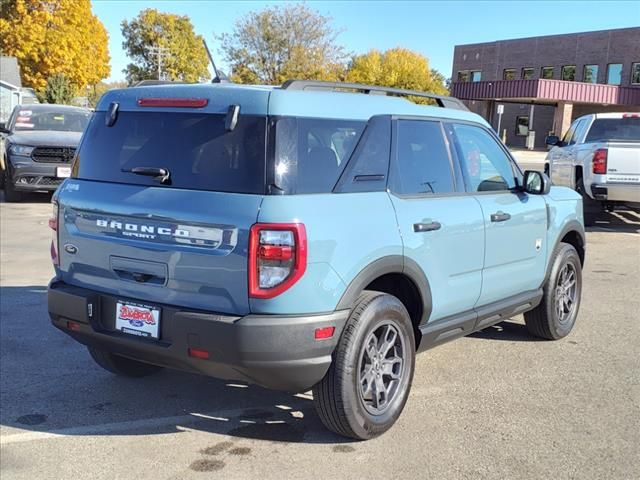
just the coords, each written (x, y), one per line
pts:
(160, 52)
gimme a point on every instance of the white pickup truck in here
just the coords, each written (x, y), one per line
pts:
(599, 157)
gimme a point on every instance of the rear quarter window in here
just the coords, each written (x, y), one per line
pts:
(195, 147)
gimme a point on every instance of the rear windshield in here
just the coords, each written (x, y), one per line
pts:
(194, 147)
(612, 129)
(46, 119)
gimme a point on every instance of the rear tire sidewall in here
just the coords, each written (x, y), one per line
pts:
(383, 308)
(567, 254)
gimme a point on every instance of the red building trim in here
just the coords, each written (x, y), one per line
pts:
(547, 91)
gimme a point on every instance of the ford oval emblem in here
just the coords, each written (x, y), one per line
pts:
(71, 249)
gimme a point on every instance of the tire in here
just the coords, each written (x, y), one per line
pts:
(10, 193)
(591, 208)
(343, 405)
(546, 321)
(123, 366)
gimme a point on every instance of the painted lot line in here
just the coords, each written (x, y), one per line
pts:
(180, 421)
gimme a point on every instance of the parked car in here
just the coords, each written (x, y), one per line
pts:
(303, 237)
(39, 142)
(599, 157)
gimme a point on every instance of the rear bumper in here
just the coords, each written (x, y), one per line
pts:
(278, 352)
(616, 192)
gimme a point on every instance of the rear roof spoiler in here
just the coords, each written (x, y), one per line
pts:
(313, 85)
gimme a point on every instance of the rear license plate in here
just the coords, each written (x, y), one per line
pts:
(63, 172)
(136, 319)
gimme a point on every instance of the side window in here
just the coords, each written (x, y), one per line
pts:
(569, 135)
(422, 164)
(485, 165)
(579, 131)
(369, 164)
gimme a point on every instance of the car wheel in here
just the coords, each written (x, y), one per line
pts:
(555, 316)
(368, 382)
(121, 365)
(10, 193)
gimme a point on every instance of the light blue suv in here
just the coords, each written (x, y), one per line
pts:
(308, 236)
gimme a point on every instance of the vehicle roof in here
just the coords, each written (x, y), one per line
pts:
(615, 114)
(51, 107)
(263, 100)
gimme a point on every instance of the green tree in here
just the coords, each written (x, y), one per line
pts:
(50, 37)
(283, 42)
(58, 90)
(183, 56)
(397, 68)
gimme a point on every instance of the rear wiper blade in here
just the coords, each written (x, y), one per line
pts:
(162, 174)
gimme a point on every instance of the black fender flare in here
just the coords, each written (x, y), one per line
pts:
(383, 266)
(570, 226)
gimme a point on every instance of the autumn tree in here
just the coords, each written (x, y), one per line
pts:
(50, 37)
(397, 68)
(96, 91)
(183, 56)
(283, 42)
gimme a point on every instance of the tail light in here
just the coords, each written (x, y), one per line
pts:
(599, 161)
(277, 257)
(53, 225)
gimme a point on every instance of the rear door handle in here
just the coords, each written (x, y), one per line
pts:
(426, 227)
(500, 217)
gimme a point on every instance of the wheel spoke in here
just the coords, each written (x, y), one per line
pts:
(392, 367)
(380, 393)
(389, 338)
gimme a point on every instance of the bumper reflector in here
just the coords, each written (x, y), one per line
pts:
(198, 353)
(324, 333)
(73, 326)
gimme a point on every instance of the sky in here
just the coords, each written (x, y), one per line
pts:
(431, 28)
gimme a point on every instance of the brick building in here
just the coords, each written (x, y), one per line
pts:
(546, 82)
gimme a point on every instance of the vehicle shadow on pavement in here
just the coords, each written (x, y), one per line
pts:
(48, 383)
(617, 221)
(30, 197)
(508, 330)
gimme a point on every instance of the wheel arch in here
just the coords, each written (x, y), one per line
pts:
(573, 234)
(398, 276)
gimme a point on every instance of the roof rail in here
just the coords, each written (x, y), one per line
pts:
(442, 100)
(146, 83)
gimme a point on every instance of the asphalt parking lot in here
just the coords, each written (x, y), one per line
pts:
(498, 404)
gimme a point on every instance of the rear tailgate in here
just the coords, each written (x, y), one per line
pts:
(163, 197)
(623, 162)
(159, 245)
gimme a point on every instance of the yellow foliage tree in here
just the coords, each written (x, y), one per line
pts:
(50, 37)
(397, 68)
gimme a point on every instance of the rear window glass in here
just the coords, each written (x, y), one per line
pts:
(46, 119)
(611, 129)
(195, 147)
(311, 153)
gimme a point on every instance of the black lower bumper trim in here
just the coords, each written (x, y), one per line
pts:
(274, 351)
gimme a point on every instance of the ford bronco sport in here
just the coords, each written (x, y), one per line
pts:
(308, 236)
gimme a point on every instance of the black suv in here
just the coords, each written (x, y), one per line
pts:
(39, 144)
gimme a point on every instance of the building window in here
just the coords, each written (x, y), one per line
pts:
(476, 76)
(614, 73)
(635, 73)
(590, 74)
(463, 76)
(527, 73)
(569, 73)
(546, 73)
(509, 74)
(522, 126)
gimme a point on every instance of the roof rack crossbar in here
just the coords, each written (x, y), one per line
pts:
(442, 100)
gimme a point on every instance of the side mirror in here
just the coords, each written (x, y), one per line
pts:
(552, 140)
(3, 128)
(536, 183)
